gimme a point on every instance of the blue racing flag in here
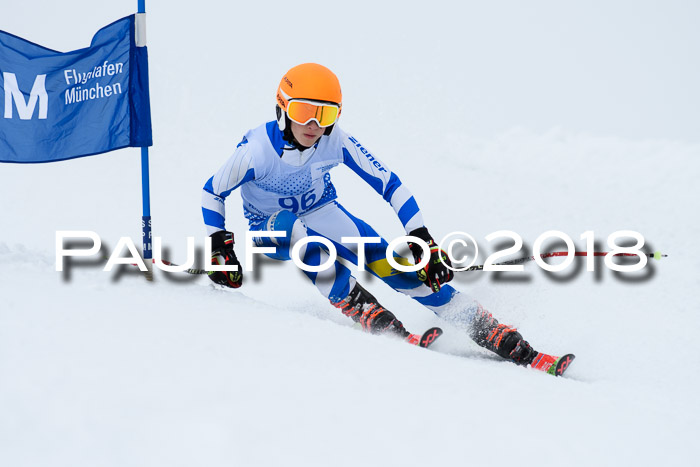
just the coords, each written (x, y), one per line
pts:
(59, 106)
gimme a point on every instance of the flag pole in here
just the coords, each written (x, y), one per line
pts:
(146, 195)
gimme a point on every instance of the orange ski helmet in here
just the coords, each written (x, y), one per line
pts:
(308, 81)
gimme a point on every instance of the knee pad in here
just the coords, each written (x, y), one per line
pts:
(282, 221)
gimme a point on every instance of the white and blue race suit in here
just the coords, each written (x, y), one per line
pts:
(287, 189)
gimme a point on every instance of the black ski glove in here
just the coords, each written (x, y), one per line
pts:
(435, 273)
(222, 253)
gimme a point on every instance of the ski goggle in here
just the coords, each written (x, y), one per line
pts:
(302, 112)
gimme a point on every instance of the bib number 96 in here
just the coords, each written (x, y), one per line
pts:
(294, 203)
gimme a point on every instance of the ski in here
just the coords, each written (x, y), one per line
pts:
(552, 365)
(427, 339)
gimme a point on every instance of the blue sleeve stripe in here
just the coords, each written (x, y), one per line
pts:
(374, 182)
(213, 219)
(408, 210)
(391, 187)
(209, 186)
(249, 175)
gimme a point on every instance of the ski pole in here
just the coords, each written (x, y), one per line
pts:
(656, 255)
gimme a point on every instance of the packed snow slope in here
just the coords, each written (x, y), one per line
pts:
(521, 117)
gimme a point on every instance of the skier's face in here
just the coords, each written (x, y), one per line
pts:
(307, 134)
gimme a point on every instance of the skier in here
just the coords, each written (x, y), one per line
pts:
(283, 171)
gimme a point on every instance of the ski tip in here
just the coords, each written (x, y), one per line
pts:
(562, 364)
(429, 337)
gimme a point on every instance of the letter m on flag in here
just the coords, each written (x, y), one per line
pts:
(25, 109)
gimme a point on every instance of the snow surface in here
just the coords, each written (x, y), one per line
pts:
(526, 117)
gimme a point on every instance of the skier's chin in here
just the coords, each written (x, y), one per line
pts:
(309, 140)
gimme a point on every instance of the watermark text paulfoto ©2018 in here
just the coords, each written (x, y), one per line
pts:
(460, 262)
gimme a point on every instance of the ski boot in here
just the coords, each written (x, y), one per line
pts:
(363, 308)
(507, 342)
(502, 339)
